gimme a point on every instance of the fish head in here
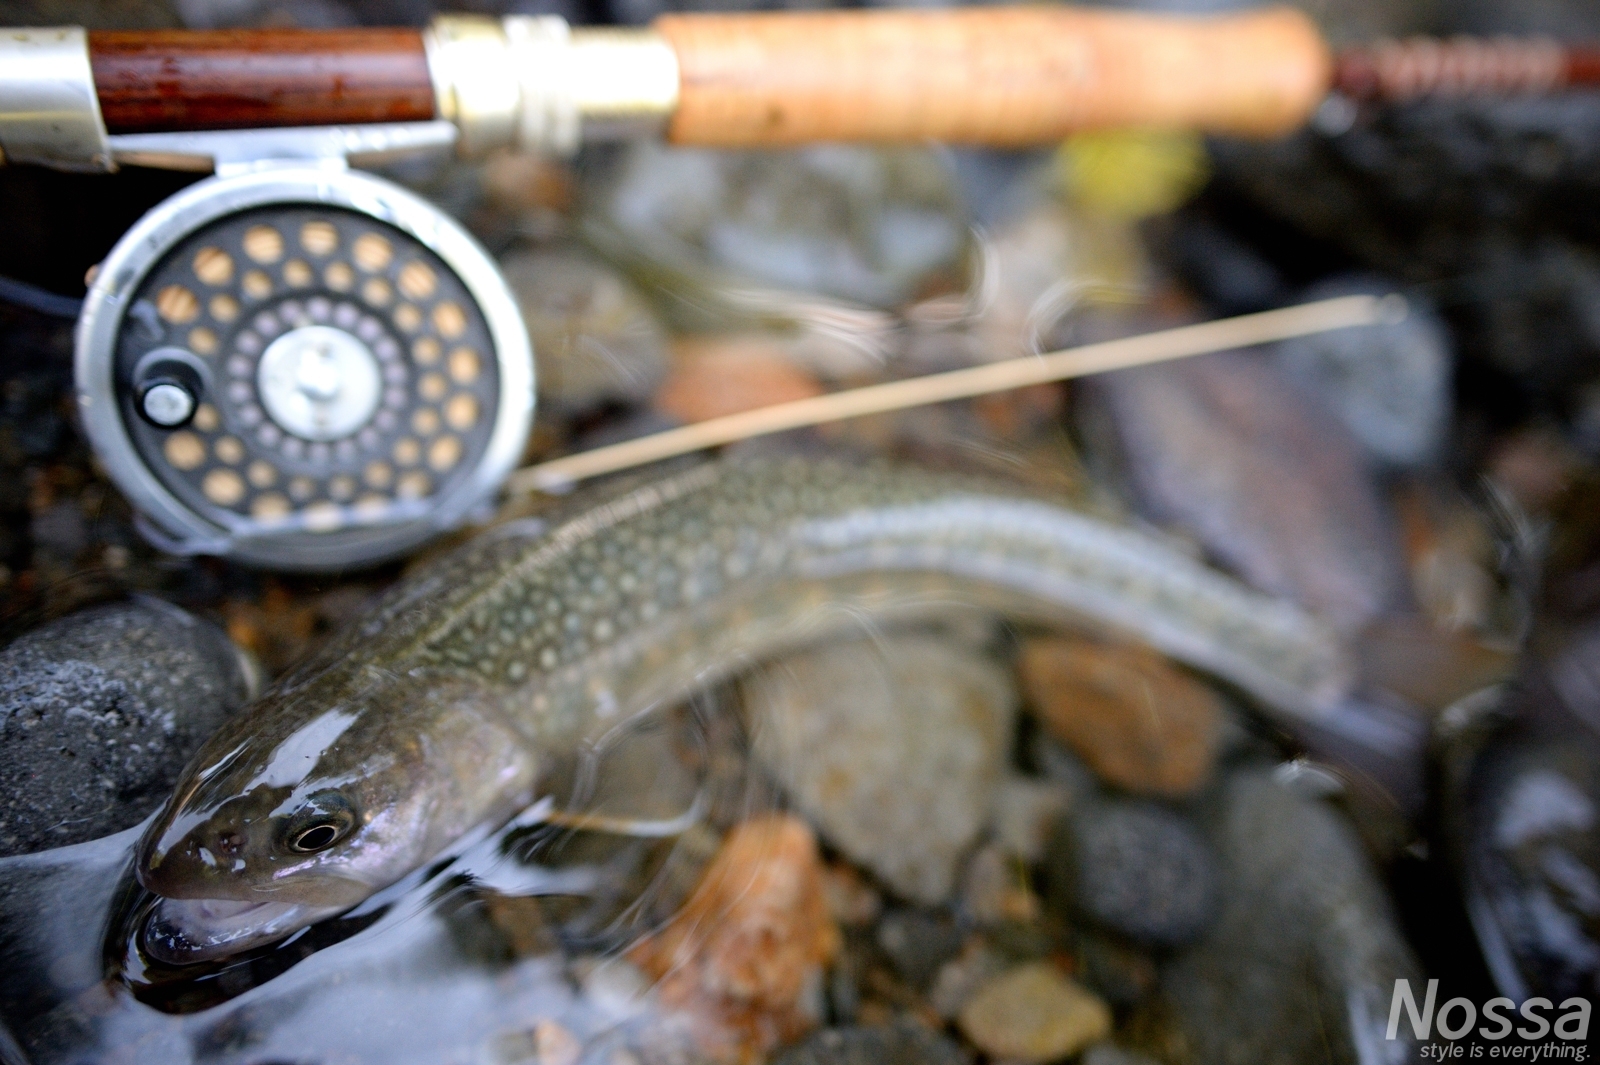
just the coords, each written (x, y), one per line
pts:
(306, 803)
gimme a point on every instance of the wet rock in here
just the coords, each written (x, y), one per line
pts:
(1063, 769)
(1041, 265)
(1138, 721)
(1136, 868)
(546, 1043)
(871, 226)
(60, 530)
(1111, 1054)
(960, 978)
(530, 194)
(100, 711)
(851, 900)
(1271, 483)
(595, 339)
(1522, 802)
(891, 747)
(713, 376)
(1389, 383)
(902, 1043)
(1452, 555)
(1228, 274)
(1533, 466)
(1305, 930)
(1025, 812)
(743, 959)
(918, 942)
(1442, 190)
(1112, 968)
(280, 623)
(1534, 881)
(995, 887)
(1034, 1014)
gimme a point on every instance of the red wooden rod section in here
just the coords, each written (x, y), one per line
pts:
(151, 81)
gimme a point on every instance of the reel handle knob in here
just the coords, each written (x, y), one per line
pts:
(168, 392)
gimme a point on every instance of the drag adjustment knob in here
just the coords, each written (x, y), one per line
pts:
(168, 392)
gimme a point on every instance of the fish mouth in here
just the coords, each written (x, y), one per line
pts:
(189, 931)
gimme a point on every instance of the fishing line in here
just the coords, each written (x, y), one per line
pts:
(1306, 319)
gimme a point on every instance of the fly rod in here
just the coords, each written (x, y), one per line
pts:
(298, 364)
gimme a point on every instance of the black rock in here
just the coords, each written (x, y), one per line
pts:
(1304, 930)
(1135, 868)
(99, 712)
(1480, 201)
(918, 942)
(1388, 382)
(1522, 791)
(901, 1043)
(1115, 970)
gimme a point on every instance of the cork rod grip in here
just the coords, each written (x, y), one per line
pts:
(992, 75)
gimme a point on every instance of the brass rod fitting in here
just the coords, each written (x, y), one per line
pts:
(534, 84)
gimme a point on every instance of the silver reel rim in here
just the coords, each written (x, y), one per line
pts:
(168, 223)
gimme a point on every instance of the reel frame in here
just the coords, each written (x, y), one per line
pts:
(175, 525)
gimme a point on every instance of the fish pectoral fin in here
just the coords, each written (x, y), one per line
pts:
(637, 827)
(545, 812)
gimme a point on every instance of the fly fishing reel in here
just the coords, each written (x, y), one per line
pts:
(303, 367)
(292, 363)
(297, 365)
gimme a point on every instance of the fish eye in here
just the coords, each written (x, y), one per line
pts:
(316, 837)
(325, 819)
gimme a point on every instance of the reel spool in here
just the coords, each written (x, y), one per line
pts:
(302, 367)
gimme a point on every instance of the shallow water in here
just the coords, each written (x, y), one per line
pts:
(418, 973)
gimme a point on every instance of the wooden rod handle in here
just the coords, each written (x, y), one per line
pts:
(990, 75)
(157, 80)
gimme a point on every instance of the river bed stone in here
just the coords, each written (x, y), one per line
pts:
(595, 339)
(1034, 1014)
(1137, 869)
(1305, 930)
(98, 713)
(902, 1043)
(1138, 721)
(1389, 383)
(743, 959)
(891, 747)
(1228, 448)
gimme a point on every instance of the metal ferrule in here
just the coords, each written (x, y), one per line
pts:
(533, 84)
(49, 110)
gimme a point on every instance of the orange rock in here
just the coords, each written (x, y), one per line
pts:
(524, 182)
(717, 375)
(754, 936)
(1129, 713)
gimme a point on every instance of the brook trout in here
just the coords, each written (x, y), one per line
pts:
(449, 708)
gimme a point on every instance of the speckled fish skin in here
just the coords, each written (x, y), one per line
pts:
(451, 704)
